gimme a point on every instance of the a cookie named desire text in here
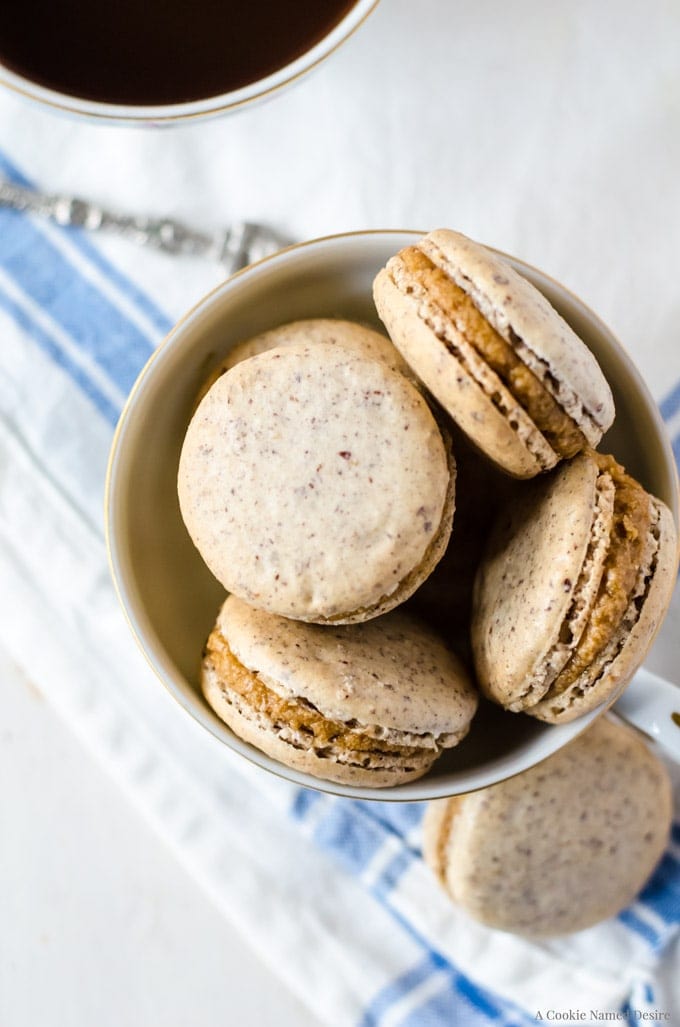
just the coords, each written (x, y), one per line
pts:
(594, 1016)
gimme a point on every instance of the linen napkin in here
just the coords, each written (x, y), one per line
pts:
(305, 876)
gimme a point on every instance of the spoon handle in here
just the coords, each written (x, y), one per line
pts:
(241, 243)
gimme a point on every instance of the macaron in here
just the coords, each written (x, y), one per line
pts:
(490, 347)
(576, 578)
(316, 483)
(560, 847)
(350, 334)
(371, 704)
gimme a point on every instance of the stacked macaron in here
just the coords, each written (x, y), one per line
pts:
(580, 567)
(319, 489)
(318, 481)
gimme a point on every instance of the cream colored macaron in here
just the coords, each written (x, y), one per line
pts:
(560, 847)
(338, 331)
(498, 357)
(316, 484)
(370, 704)
(576, 579)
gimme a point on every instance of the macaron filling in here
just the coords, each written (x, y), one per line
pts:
(524, 317)
(414, 270)
(626, 574)
(301, 724)
(584, 593)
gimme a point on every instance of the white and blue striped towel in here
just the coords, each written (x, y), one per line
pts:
(387, 947)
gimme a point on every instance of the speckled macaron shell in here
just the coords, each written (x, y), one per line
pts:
(316, 484)
(393, 672)
(537, 585)
(524, 318)
(525, 586)
(466, 386)
(390, 678)
(349, 334)
(562, 846)
(462, 387)
(636, 632)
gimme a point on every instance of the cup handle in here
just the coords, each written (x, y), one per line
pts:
(652, 704)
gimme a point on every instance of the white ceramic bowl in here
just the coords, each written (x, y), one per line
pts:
(168, 113)
(169, 596)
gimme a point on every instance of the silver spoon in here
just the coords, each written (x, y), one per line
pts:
(234, 247)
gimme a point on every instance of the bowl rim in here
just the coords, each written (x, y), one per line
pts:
(233, 742)
(193, 110)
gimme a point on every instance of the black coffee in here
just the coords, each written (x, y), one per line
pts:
(158, 51)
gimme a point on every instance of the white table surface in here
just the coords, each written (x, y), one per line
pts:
(99, 924)
(525, 125)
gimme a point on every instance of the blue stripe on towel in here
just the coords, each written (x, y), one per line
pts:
(158, 318)
(304, 801)
(76, 305)
(641, 928)
(446, 1008)
(495, 1008)
(448, 998)
(676, 449)
(391, 874)
(351, 832)
(396, 989)
(671, 403)
(346, 834)
(662, 893)
(669, 408)
(400, 817)
(103, 404)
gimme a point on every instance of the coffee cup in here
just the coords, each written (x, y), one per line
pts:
(151, 63)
